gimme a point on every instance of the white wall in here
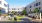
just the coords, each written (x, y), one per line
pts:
(2, 5)
(20, 9)
(32, 4)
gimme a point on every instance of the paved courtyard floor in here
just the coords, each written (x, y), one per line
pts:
(34, 20)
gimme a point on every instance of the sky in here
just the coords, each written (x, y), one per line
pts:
(18, 3)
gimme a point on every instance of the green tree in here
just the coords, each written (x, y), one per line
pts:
(36, 10)
(14, 12)
(24, 11)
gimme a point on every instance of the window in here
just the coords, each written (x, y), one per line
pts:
(30, 6)
(5, 5)
(36, 4)
(39, 3)
(0, 2)
(3, 10)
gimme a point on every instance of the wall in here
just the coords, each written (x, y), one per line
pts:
(2, 5)
(34, 14)
(32, 4)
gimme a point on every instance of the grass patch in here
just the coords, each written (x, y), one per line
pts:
(18, 18)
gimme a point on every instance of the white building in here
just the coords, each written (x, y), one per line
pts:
(33, 5)
(16, 9)
(4, 5)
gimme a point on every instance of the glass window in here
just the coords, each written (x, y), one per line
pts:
(36, 4)
(0, 2)
(39, 3)
(30, 6)
(3, 10)
(5, 5)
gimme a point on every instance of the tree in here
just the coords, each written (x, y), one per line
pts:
(36, 10)
(14, 12)
(24, 11)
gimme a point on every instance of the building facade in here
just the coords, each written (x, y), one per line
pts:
(3, 6)
(33, 5)
(16, 9)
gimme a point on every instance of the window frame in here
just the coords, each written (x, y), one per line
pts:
(5, 5)
(30, 6)
(39, 3)
(36, 4)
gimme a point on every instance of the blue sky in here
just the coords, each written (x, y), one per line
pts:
(19, 3)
